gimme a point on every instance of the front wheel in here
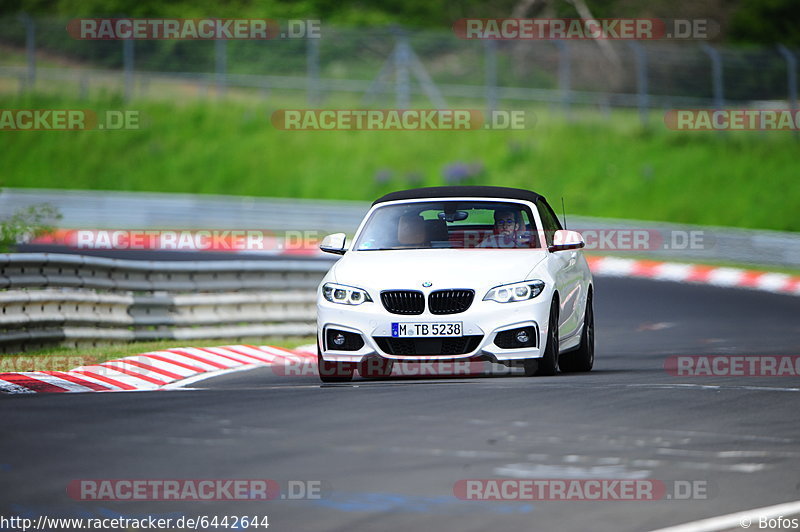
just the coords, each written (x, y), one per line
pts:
(582, 359)
(334, 371)
(548, 364)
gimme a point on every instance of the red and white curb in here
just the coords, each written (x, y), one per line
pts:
(695, 273)
(154, 370)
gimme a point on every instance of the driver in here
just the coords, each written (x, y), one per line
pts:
(506, 229)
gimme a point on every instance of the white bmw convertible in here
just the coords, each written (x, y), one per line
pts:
(456, 273)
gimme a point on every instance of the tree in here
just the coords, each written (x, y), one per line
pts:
(27, 223)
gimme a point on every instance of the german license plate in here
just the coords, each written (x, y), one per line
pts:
(426, 330)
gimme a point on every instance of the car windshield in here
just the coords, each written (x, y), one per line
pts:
(449, 224)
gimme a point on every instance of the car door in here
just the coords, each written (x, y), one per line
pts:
(567, 274)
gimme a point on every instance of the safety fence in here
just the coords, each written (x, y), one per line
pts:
(49, 299)
(407, 67)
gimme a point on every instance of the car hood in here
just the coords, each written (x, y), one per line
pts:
(443, 268)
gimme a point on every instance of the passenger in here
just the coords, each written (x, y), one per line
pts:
(411, 232)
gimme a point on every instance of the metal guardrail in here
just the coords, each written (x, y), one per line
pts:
(71, 299)
(138, 210)
(150, 210)
(717, 244)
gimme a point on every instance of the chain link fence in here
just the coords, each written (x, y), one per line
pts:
(404, 68)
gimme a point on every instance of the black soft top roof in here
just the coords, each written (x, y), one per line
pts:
(461, 191)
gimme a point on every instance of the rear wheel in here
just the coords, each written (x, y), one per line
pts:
(547, 365)
(334, 371)
(582, 359)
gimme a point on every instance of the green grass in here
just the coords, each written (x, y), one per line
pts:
(608, 167)
(66, 358)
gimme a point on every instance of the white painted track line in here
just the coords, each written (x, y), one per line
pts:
(737, 521)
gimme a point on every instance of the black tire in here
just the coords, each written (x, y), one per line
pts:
(530, 365)
(582, 359)
(334, 371)
(375, 368)
(548, 364)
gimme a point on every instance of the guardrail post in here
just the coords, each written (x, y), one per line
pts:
(642, 99)
(490, 53)
(83, 87)
(402, 58)
(716, 75)
(30, 50)
(564, 75)
(312, 72)
(791, 77)
(127, 61)
(221, 64)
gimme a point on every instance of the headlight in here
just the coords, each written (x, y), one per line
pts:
(346, 295)
(515, 292)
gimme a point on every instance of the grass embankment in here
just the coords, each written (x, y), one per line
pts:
(602, 166)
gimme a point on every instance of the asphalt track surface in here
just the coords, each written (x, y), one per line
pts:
(388, 452)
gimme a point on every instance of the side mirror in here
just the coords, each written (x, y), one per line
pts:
(564, 240)
(333, 243)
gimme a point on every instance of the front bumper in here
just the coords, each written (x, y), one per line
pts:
(483, 320)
